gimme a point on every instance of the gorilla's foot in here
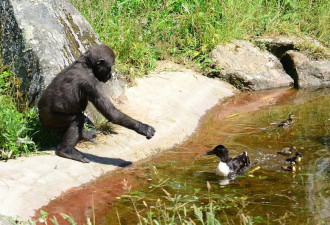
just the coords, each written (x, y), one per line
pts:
(72, 154)
(89, 135)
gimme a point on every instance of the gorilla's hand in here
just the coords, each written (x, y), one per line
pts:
(146, 130)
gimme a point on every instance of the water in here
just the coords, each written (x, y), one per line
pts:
(269, 195)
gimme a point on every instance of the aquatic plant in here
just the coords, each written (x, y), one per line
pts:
(44, 219)
(168, 208)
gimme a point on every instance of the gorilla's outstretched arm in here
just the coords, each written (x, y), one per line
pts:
(109, 111)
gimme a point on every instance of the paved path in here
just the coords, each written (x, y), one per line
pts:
(171, 101)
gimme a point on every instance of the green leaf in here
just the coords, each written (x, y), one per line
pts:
(69, 218)
(233, 115)
(198, 213)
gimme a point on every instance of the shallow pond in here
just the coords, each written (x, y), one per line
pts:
(182, 181)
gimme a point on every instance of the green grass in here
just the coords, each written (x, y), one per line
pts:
(14, 118)
(143, 31)
(20, 130)
(14, 139)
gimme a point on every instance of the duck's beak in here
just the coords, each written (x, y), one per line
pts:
(210, 152)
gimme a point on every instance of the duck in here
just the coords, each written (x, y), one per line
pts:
(287, 122)
(230, 167)
(296, 158)
(291, 167)
(287, 150)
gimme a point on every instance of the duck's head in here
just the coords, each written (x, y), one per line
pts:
(298, 156)
(291, 116)
(293, 148)
(221, 152)
(293, 166)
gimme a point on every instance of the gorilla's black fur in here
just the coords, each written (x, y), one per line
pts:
(62, 104)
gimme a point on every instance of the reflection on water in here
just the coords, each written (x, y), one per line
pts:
(248, 122)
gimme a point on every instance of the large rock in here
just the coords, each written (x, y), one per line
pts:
(248, 68)
(278, 45)
(41, 37)
(305, 72)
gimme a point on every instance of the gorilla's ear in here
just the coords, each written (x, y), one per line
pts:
(100, 62)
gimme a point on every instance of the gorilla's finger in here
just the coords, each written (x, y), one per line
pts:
(151, 132)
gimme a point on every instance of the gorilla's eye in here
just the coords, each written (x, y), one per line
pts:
(100, 63)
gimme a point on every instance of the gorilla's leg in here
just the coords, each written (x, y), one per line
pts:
(71, 137)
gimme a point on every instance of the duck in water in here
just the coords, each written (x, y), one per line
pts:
(291, 167)
(230, 167)
(287, 150)
(286, 123)
(296, 158)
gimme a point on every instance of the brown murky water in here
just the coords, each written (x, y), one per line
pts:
(246, 122)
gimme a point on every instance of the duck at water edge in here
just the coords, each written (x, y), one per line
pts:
(230, 167)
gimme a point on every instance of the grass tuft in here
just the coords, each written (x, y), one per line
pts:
(14, 118)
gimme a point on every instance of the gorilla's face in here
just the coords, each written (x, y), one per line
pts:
(103, 71)
(101, 58)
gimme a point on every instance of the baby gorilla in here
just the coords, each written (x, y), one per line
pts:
(62, 104)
